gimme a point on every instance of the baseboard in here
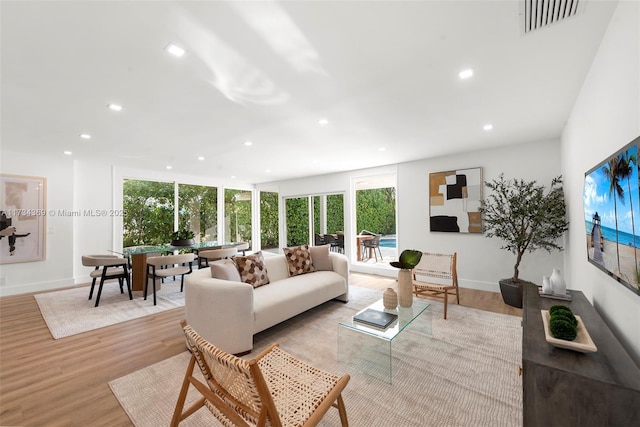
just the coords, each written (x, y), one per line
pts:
(26, 288)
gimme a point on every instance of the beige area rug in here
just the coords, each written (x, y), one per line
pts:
(463, 374)
(70, 312)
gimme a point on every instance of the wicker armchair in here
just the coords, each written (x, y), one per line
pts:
(273, 389)
(436, 276)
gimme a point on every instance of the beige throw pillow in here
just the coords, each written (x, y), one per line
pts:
(320, 258)
(252, 269)
(225, 270)
(299, 260)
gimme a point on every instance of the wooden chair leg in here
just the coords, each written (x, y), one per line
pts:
(446, 294)
(343, 412)
(177, 413)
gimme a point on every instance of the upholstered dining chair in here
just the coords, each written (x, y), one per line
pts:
(242, 247)
(274, 389)
(159, 267)
(107, 267)
(215, 254)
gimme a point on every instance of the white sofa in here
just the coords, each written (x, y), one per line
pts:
(228, 313)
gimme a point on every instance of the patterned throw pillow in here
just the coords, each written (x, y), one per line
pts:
(299, 260)
(252, 269)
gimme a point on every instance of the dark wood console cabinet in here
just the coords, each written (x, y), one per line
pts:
(566, 388)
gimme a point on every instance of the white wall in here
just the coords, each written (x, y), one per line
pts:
(606, 116)
(481, 262)
(57, 269)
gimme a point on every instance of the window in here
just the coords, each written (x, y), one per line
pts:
(198, 211)
(297, 218)
(149, 212)
(269, 236)
(237, 212)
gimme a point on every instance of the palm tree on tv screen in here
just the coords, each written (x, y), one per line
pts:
(612, 172)
(627, 162)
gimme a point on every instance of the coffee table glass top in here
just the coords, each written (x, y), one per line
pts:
(406, 315)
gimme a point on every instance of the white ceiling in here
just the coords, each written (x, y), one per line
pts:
(384, 73)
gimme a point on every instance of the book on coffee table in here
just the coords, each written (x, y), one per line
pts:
(376, 318)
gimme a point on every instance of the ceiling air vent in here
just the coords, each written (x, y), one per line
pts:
(538, 14)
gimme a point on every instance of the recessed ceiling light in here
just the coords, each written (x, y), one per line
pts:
(115, 107)
(323, 122)
(175, 50)
(200, 157)
(268, 171)
(381, 149)
(85, 136)
(169, 167)
(233, 177)
(248, 143)
(68, 153)
(465, 74)
(488, 126)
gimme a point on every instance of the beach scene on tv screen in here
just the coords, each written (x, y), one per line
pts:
(612, 216)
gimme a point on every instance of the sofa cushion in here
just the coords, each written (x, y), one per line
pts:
(225, 270)
(320, 257)
(252, 269)
(299, 260)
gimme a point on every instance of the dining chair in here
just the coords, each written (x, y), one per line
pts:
(215, 254)
(371, 245)
(274, 389)
(107, 267)
(160, 267)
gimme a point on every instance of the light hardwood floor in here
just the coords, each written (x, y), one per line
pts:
(47, 382)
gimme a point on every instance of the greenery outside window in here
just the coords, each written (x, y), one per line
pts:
(198, 211)
(269, 217)
(149, 212)
(237, 212)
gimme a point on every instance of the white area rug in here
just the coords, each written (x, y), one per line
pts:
(70, 312)
(464, 374)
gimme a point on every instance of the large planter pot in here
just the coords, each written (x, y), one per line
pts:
(511, 292)
(183, 242)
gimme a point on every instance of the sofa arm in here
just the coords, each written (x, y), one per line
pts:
(221, 311)
(340, 265)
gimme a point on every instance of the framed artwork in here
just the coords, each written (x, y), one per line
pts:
(612, 215)
(22, 218)
(454, 201)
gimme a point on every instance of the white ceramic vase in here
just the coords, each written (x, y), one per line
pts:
(558, 286)
(405, 288)
(546, 285)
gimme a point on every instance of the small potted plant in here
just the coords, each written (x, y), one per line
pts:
(526, 218)
(409, 258)
(182, 237)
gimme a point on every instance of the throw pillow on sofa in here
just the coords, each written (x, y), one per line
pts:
(252, 269)
(225, 270)
(320, 257)
(299, 260)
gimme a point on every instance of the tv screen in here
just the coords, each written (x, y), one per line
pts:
(612, 216)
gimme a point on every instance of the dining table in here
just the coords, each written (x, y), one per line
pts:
(139, 254)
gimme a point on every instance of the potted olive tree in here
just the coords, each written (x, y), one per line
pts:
(525, 218)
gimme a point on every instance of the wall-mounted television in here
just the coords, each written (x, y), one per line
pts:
(612, 215)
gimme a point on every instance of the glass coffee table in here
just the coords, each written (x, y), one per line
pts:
(368, 348)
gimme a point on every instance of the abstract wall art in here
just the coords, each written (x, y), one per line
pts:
(454, 200)
(22, 218)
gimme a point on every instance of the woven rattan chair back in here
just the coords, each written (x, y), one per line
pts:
(436, 276)
(274, 389)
